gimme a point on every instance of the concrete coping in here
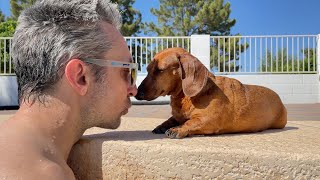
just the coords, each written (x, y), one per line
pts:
(133, 152)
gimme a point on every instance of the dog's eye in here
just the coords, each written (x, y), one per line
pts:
(159, 70)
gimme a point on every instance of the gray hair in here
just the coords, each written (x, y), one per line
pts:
(50, 33)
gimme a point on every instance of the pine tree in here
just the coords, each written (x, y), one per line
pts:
(7, 29)
(2, 17)
(16, 6)
(284, 62)
(187, 17)
(131, 18)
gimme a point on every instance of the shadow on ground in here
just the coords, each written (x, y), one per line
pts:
(125, 136)
(148, 135)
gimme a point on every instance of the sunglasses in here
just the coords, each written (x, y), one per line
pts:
(133, 67)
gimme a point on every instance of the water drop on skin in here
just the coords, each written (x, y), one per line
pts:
(53, 138)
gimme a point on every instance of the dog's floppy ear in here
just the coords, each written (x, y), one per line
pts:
(193, 73)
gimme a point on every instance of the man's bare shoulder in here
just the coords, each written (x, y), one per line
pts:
(54, 171)
(22, 155)
(46, 171)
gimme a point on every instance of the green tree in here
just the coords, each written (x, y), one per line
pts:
(282, 62)
(225, 53)
(2, 17)
(187, 17)
(7, 28)
(16, 6)
(131, 22)
(131, 18)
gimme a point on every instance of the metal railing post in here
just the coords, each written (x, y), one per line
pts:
(318, 54)
(200, 48)
(318, 62)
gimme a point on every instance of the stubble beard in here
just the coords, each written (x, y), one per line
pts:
(98, 116)
(92, 116)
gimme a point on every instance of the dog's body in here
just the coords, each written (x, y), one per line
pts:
(204, 104)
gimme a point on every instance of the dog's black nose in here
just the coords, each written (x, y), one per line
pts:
(140, 95)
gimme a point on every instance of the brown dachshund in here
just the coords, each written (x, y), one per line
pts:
(206, 104)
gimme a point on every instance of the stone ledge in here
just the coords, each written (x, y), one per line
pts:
(133, 152)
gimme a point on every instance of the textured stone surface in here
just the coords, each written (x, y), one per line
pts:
(133, 152)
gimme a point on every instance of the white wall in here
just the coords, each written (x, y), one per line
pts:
(8, 91)
(292, 88)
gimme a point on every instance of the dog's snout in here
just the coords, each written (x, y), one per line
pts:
(140, 95)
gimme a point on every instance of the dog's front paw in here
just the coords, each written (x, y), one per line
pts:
(175, 133)
(159, 130)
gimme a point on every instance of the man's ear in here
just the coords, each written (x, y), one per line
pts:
(77, 75)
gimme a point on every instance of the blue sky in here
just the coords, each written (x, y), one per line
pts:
(254, 17)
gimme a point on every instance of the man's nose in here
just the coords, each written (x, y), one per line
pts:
(133, 90)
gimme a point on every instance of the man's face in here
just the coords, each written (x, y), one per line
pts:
(111, 98)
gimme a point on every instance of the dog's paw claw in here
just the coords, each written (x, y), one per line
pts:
(171, 134)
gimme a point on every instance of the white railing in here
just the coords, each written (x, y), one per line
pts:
(264, 54)
(6, 67)
(292, 54)
(143, 49)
